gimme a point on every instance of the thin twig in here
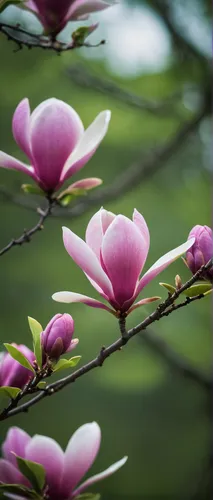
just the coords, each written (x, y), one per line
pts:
(27, 234)
(105, 352)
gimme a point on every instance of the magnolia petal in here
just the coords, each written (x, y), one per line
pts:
(55, 129)
(47, 452)
(72, 297)
(7, 161)
(81, 8)
(85, 258)
(10, 474)
(20, 126)
(102, 475)
(142, 303)
(141, 224)
(94, 233)
(123, 257)
(89, 183)
(73, 344)
(87, 145)
(80, 454)
(162, 263)
(15, 444)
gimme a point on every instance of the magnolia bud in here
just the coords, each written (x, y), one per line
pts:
(202, 250)
(57, 339)
(11, 372)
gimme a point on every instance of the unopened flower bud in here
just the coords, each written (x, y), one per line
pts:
(13, 374)
(57, 337)
(202, 250)
(178, 282)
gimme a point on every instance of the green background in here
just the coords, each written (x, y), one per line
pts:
(147, 411)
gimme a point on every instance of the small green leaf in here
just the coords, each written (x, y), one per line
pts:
(17, 489)
(66, 200)
(199, 289)
(89, 496)
(62, 364)
(30, 189)
(41, 385)
(35, 473)
(18, 356)
(80, 35)
(170, 288)
(36, 330)
(10, 392)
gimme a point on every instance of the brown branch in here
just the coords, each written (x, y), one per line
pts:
(126, 336)
(27, 234)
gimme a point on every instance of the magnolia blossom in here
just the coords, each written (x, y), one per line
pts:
(54, 14)
(57, 338)
(112, 258)
(202, 250)
(11, 372)
(63, 470)
(54, 140)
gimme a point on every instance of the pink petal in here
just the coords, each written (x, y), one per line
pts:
(87, 184)
(71, 297)
(142, 303)
(10, 474)
(162, 263)
(102, 475)
(141, 224)
(123, 257)
(84, 257)
(80, 454)
(55, 129)
(20, 126)
(87, 145)
(73, 345)
(15, 444)
(7, 161)
(81, 8)
(96, 229)
(45, 451)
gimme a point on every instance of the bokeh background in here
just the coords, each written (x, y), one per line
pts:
(158, 53)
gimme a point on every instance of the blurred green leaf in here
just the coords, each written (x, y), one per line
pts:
(5, 3)
(63, 364)
(35, 473)
(36, 330)
(10, 392)
(200, 289)
(18, 356)
(169, 287)
(89, 496)
(31, 189)
(66, 200)
(17, 489)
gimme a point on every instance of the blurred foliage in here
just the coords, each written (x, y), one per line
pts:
(156, 417)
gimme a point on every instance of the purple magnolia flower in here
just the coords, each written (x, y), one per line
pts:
(57, 338)
(11, 372)
(54, 140)
(202, 250)
(112, 258)
(63, 470)
(54, 14)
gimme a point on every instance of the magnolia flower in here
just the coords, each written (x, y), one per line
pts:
(112, 258)
(54, 14)
(202, 250)
(63, 470)
(57, 339)
(11, 372)
(54, 140)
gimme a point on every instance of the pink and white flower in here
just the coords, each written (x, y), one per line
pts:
(64, 470)
(113, 258)
(54, 140)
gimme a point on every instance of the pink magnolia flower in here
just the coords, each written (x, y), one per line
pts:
(11, 372)
(63, 470)
(54, 14)
(202, 250)
(57, 338)
(54, 140)
(112, 258)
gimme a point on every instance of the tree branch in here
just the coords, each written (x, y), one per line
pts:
(126, 336)
(27, 234)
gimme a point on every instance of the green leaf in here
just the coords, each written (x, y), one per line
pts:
(80, 35)
(170, 288)
(5, 3)
(89, 496)
(66, 200)
(199, 289)
(17, 489)
(41, 385)
(10, 392)
(35, 473)
(36, 330)
(62, 364)
(30, 189)
(18, 356)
